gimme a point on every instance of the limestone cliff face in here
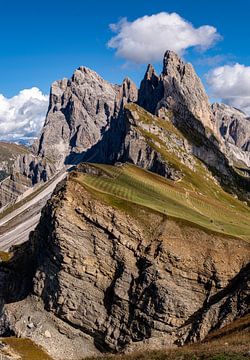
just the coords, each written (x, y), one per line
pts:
(120, 284)
(234, 127)
(180, 90)
(184, 93)
(80, 112)
(151, 90)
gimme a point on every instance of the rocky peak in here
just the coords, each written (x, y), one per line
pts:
(177, 89)
(173, 64)
(150, 73)
(151, 90)
(127, 92)
(80, 109)
(234, 130)
(185, 95)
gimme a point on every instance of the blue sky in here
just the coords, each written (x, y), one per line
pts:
(45, 40)
(42, 41)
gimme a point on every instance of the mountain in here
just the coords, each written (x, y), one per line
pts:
(234, 127)
(124, 258)
(80, 112)
(180, 90)
(145, 243)
(86, 121)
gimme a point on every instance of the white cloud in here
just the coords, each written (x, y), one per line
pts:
(22, 116)
(147, 38)
(231, 83)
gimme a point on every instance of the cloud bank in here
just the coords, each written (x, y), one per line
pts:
(147, 38)
(22, 116)
(231, 83)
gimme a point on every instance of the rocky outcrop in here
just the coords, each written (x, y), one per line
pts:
(184, 102)
(151, 90)
(234, 127)
(154, 145)
(80, 113)
(113, 281)
(179, 90)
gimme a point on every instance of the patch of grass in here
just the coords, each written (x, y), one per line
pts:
(26, 349)
(147, 118)
(131, 185)
(5, 256)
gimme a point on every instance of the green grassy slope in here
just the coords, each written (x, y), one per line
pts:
(206, 205)
(197, 198)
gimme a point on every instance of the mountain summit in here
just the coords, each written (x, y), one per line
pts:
(144, 244)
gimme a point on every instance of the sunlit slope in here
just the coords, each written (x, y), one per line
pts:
(207, 206)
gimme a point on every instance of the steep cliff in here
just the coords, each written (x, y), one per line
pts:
(234, 127)
(178, 91)
(123, 258)
(80, 113)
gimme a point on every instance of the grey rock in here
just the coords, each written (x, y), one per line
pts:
(234, 127)
(185, 102)
(177, 89)
(100, 272)
(151, 90)
(80, 113)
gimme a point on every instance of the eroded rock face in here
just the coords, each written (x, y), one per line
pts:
(119, 282)
(180, 90)
(151, 90)
(234, 127)
(145, 140)
(184, 102)
(80, 112)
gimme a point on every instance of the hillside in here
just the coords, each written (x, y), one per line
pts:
(127, 186)
(122, 259)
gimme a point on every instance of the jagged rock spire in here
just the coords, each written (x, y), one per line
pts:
(184, 92)
(151, 90)
(128, 91)
(179, 90)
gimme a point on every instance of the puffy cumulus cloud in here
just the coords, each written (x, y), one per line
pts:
(22, 116)
(231, 83)
(147, 38)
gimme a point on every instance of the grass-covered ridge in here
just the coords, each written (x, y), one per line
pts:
(207, 206)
